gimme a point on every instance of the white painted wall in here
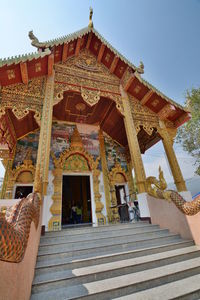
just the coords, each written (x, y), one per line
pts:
(47, 202)
(93, 207)
(143, 205)
(8, 202)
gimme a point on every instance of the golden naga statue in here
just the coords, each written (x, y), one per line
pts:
(158, 191)
(15, 226)
(90, 18)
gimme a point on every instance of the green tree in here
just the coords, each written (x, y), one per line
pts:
(189, 134)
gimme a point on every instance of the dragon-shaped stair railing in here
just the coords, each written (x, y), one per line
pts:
(157, 189)
(15, 227)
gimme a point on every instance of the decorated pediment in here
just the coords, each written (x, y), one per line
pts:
(85, 64)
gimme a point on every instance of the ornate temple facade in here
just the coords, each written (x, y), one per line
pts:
(75, 118)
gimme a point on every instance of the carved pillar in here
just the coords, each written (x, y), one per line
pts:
(7, 187)
(56, 207)
(134, 147)
(115, 214)
(97, 196)
(171, 156)
(43, 154)
(105, 175)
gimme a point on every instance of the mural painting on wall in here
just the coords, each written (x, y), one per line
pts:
(26, 148)
(90, 138)
(61, 138)
(114, 153)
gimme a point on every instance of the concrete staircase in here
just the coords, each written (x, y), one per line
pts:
(126, 261)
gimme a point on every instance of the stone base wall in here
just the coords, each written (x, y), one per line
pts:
(16, 278)
(167, 215)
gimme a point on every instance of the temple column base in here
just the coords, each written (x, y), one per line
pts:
(54, 223)
(101, 220)
(115, 216)
(143, 205)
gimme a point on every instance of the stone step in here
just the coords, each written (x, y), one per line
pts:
(126, 284)
(52, 258)
(79, 262)
(68, 277)
(104, 242)
(55, 240)
(185, 289)
(90, 229)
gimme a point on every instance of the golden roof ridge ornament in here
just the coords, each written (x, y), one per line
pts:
(90, 25)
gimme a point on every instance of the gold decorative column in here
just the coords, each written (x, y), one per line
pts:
(134, 147)
(115, 214)
(97, 196)
(43, 154)
(56, 207)
(171, 156)
(131, 186)
(105, 175)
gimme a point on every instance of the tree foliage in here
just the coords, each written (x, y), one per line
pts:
(189, 134)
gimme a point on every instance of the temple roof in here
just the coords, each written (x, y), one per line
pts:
(23, 58)
(73, 36)
(12, 69)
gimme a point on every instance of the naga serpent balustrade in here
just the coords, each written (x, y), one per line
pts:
(158, 191)
(15, 227)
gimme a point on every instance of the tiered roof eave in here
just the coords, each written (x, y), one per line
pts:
(23, 58)
(78, 34)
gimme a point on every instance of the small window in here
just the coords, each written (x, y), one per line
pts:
(23, 191)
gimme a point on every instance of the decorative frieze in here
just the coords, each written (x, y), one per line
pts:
(21, 98)
(85, 75)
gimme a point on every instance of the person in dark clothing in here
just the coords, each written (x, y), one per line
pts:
(74, 214)
(79, 213)
(123, 212)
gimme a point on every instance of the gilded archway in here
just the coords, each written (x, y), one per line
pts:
(74, 159)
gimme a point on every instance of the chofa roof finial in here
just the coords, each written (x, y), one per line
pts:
(35, 42)
(140, 69)
(90, 18)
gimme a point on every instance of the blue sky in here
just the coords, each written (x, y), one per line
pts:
(164, 34)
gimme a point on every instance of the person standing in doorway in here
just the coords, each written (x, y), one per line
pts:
(74, 214)
(79, 213)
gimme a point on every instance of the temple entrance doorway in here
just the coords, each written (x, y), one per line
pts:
(76, 200)
(122, 203)
(120, 194)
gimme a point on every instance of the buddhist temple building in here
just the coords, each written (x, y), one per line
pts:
(75, 118)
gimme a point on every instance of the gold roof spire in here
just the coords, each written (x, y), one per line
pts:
(90, 18)
(76, 140)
